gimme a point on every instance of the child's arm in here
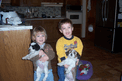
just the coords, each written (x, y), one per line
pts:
(79, 48)
(60, 51)
(37, 57)
(49, 53)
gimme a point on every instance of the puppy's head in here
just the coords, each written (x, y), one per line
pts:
(72, 53)
(34, 47)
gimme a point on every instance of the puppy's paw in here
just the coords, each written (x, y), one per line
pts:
(59, 64)
(25, 58)
(44, 79)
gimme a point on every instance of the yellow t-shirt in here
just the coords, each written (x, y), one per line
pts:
(63, 44)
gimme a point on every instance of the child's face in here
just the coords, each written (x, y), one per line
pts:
(66, 29)
(40, 38)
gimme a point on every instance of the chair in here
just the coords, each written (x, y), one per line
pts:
(89, 74)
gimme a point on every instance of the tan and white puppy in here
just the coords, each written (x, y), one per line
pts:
(71, 61)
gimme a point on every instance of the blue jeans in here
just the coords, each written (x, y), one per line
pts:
(49, 78)
(61, 74)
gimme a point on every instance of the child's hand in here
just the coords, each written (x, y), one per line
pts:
(41, 52)
(44, 58)
(66, 66)
(77, 62)
(73, 68)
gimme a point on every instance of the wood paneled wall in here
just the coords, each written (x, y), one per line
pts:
(13, 46)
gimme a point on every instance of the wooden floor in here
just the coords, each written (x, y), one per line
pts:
(106, 66)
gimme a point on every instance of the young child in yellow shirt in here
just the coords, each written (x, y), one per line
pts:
(68, 41)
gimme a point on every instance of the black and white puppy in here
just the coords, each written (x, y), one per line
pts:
(34, 50)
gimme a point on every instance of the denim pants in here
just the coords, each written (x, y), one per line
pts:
(61, 74)
(49, 78)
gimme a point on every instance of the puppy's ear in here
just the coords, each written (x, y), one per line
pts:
(77, 54)
(36, 47)
(68, 52)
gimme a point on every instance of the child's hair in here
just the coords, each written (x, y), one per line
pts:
(63, 21)
(36, 30)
